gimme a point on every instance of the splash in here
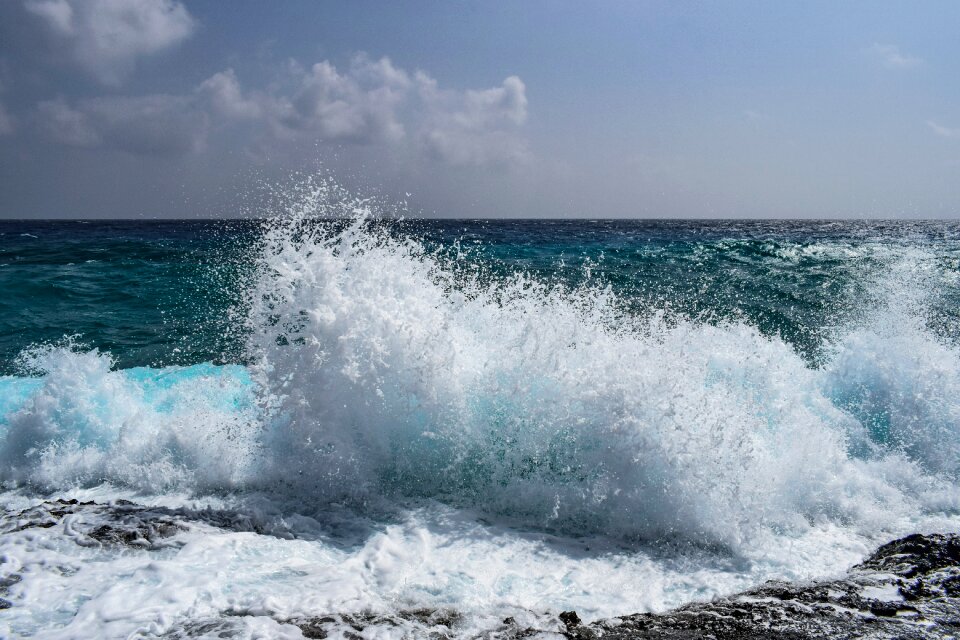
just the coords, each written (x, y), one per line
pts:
(393, 375)
(383, 372)
(81, 423)
(897, 377)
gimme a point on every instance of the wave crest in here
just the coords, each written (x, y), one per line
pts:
(381, 371)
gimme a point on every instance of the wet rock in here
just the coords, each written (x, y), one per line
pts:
(90, 523)
(570, 619)
(140, 534)
(212, 628)
(436, 624)
(5, 583)
(906, 590)
(909, 589)
(916, 555)
(575, 628)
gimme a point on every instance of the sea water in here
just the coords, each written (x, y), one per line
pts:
(358, 414)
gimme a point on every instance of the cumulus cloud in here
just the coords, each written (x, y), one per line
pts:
(154, 125)
(940, 130)
(105, 37)
(374, 101)
(370, 102)
(473, 127)
(359, 105)
(891, 57)
(226, 99)
(66, 125)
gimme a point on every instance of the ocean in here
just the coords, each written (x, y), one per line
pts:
(448, 423)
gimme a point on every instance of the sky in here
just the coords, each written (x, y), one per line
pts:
(639, 109)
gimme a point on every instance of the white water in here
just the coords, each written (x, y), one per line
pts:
(502, 449)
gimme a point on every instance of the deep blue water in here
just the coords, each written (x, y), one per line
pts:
(705, 405)
(156, 293)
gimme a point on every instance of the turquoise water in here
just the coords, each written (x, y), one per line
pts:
(163, 293)
(525, 367)
(497, 417)
(150, 293)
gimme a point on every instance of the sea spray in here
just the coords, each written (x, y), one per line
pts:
(391, 377)
(383, 373)
(895, 375)
(82, 423)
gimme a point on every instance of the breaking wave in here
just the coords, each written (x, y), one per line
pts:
(383, 372)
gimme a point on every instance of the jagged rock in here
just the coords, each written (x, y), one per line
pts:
(436, 624)
(213, 628)
(5, 583)
(908, 589)
(139, 533)
(120, 523)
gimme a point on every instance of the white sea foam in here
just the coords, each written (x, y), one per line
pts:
(82, 423)
(393, 377)
(434, 556)
(391, 384)
(380, 372)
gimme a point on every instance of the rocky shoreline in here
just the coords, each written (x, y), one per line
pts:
(908, 589)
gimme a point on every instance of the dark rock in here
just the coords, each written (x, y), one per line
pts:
(208, 628)
(427, 622)
(5, 583)
(314, 628)
(135, 533)
(915, 555)
(575, 628)
(120, 523)
(8, 581)
(570, 619)
(906, 590)
(909, 589)
(884, 609)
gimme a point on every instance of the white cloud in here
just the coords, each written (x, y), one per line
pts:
(360, 105)
(66, 125)
(371, 102)
(940, 130)
(474, 127)
(223, 91)
(105, 37)
(891, 57)
(154, 125)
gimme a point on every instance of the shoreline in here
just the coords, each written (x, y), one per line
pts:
(908, 588)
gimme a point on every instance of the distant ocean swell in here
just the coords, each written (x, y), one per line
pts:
(381, 371)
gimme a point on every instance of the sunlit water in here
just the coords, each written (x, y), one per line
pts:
(501, 418)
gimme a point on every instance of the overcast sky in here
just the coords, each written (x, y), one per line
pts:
(164, 108)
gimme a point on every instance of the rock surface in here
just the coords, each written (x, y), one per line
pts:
(909, 588)
(120, 523)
